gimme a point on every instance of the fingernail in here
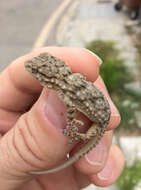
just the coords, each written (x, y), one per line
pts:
(97, 155)
(115, 115)
(114, 109)
(97, 57)
(106, 173)
(55, 110)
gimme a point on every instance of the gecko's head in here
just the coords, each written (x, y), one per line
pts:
(48, 69)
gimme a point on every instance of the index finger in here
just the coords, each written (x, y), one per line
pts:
(19, 88)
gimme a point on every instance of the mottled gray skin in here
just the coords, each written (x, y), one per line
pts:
(78, 95)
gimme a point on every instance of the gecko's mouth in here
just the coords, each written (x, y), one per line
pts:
(32, 69)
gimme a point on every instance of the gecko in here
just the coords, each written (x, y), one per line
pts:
(79, 95)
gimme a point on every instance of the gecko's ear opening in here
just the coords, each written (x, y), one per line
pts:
(31, 67)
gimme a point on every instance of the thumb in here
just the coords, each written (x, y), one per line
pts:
(35, 142)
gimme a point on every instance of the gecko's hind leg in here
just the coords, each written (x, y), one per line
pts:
(73, 130)
(92, 132)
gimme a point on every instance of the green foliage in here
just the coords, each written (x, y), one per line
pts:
(136, 96)
(113, 72)
(104, 49)
(130, 177)
(138, 46)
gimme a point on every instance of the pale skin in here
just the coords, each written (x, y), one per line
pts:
(35, 140)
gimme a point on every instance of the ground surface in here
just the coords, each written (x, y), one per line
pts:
(21, 24)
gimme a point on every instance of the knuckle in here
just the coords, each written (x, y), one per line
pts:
(25, 144)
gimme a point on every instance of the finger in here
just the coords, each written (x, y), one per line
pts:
(115, 116)
(112, 169)
(95, 160)
(20, 90)
(19, 85)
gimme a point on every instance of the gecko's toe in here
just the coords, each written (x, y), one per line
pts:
(65, 131)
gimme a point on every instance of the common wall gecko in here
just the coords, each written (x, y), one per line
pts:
(77, 94)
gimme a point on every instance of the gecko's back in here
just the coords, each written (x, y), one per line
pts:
(55, 74)
(88, 99)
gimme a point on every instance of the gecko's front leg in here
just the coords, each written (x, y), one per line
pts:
(72, 124)
(70, 117)
(71, 110)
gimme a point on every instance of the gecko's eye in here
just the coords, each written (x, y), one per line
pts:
(34, 70)
(31, 67)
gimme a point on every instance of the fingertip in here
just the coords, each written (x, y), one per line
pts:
(114, 121)
(95, 160)
(112, 169)
(98, 59)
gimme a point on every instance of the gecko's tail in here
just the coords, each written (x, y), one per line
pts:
(84, 150)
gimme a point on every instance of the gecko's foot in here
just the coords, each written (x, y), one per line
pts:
(83, 136)
(73, 139)
(77, 122)
(70, 130)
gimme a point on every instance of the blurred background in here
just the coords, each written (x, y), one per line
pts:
(111, 29)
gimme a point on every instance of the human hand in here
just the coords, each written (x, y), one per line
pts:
(31, 121)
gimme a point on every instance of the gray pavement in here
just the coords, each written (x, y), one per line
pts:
(20, 24)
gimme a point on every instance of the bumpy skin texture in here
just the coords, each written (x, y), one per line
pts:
(78, 95)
